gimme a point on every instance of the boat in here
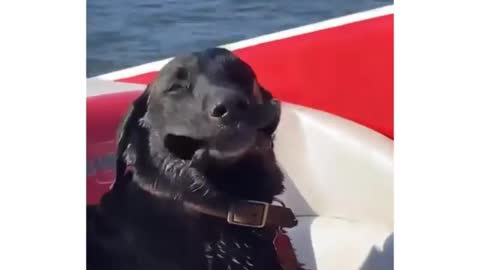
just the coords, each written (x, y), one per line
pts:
(334, 141)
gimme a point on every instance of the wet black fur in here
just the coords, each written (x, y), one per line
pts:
(142, 223)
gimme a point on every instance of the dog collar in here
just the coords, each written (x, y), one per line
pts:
(250, 213)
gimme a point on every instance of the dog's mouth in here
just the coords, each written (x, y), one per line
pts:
(183, 146)
(228, 145)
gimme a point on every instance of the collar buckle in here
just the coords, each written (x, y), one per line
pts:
(250, 214)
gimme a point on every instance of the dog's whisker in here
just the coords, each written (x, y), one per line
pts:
(168, 167)
(249, 263)
(194, 184)
(236, 244)
(198, 187)
(235, 261)
(155, 183)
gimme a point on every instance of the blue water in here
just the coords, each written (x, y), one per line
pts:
(123, 33)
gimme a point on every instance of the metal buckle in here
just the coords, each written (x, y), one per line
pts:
(280, 202)
(266, 206)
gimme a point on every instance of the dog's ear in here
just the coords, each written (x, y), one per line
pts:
(265, 97)
(129, 128)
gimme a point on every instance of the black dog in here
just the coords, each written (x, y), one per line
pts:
(196, 174)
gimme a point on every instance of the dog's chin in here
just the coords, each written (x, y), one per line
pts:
(231, 144)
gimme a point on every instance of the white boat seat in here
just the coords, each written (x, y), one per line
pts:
(340, 184)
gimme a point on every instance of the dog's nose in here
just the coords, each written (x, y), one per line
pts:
(230, 106)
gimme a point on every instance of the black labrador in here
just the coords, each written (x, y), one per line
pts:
(196, 174)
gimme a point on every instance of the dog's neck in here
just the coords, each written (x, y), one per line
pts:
(167, 179)
(167, 182)
(251, 178)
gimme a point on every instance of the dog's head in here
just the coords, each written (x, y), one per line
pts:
(206, 101)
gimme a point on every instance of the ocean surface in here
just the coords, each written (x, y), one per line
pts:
(123, 33)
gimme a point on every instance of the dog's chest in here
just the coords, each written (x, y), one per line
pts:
(232, 254)
(238, 252)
